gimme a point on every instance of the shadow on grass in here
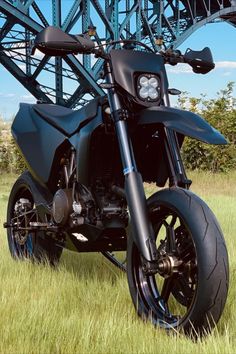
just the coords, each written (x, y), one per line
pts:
(92, 266)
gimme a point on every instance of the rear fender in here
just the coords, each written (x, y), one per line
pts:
(183, 122)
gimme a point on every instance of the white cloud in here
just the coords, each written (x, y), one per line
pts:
(227, 73)
(186, 69)
(225, 64)
(9, 95)
(27, 98)
(179, 69)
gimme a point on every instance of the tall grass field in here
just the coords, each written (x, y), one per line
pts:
(84, 305)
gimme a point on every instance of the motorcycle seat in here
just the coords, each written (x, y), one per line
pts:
(65, 119)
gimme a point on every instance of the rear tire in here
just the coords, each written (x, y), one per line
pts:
(21, 211)
(192, 296)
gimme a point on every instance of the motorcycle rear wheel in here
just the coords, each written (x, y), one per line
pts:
(191, 291)
(34, 245)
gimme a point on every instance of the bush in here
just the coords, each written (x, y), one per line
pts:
(221, 114)
(10, 158)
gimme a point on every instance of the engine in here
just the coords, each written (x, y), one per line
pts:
(74, 206)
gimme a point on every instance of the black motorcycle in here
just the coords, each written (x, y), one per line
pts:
(84, 186)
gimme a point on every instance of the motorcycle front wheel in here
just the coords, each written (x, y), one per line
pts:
(190, 289)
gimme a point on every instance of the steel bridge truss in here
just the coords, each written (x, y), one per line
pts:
(74, 80)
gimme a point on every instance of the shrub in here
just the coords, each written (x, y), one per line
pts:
(221, 114)
(10, 158)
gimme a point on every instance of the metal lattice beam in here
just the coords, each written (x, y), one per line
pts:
(74, 80)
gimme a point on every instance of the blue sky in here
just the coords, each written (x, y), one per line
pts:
(220, 37)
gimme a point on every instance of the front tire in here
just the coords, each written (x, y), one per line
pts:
(21, 212)
(191, 290)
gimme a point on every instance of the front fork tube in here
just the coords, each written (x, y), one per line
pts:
(177, 174)
(142, 230)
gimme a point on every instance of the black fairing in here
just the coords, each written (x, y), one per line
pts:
(65, 119)
(42, 142)
(128, 64)
(43, 139)
(184, 122)
(37, 141)
(148, 138)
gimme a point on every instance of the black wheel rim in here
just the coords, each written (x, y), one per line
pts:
(167, 298)
(22, 213)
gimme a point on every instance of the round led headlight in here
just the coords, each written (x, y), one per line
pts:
(149, 87)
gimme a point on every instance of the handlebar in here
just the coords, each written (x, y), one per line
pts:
(54, 42)
(171, 56)
(200, 61)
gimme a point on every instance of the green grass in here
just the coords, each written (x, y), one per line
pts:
(84, 306)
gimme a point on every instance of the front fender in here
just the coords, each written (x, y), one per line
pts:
(183, 122)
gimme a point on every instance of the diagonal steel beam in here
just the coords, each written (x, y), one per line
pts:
(69, 18)
(148, 29)
(20, 17)
(40, 14)
(175, 19)
(103, 16)
(30, 84)
(74, 21)
(34, 27)
(40, 67)
(28, 3)
(74, 99)
(128, 17)
(6, 29)
(83, 74)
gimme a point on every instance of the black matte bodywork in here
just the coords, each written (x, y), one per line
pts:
(183, 122)
(128, 65)
(148, 138)
(42, 140)
(37, 140)
(97, 153)
(64, 119)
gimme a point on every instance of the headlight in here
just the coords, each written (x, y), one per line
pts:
(149, 87)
